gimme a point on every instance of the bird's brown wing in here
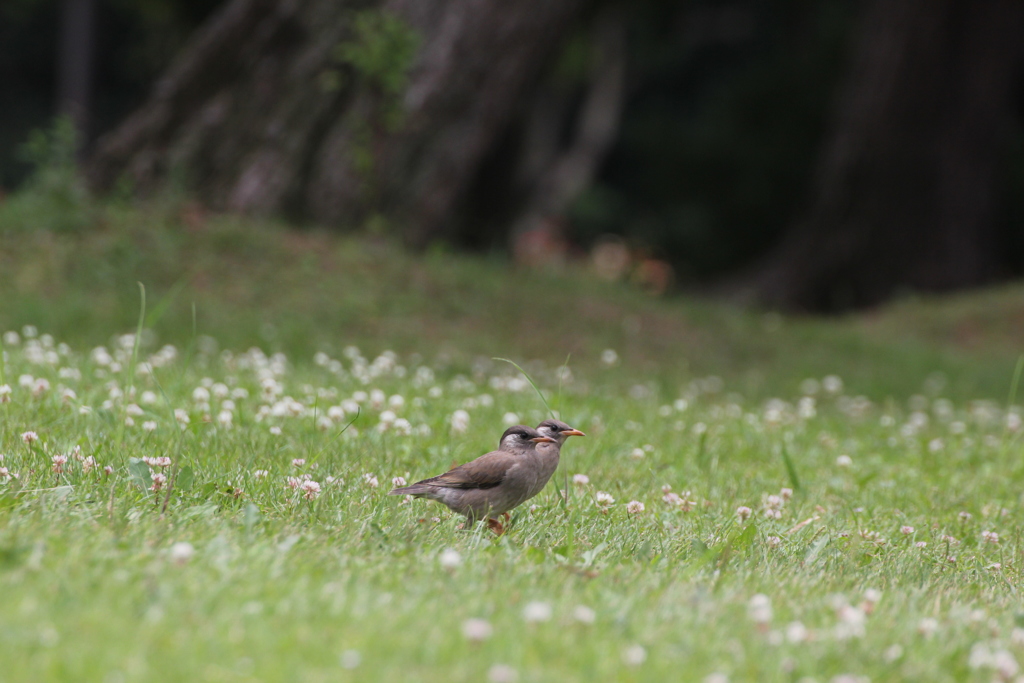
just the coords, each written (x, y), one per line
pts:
(485, 472)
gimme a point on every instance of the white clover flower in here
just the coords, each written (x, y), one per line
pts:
(502, 673)
(449, 558)
(609, 357)
(634, 507)
(927, 627)
(906, 530)
(637, 453)
(377, 399)
(990, 537)
(851, 622)
(225, 418)
(536, 611)
(58, 463)
(350, 659)
(260, 474)
(833, 384)
(370, 480)
(181, 552)
(774, 541)
(580, 479)
(796, 632)
(275, 430)
(759, 609)
(743, 512)
(181, 416)
(29, 437)
(158, 481)
(460, 421)
(477, 629)
(844, 461)
(5, 393)
(604, 499)
(584, 614)
(1005, 664)
(40, 387)
(634, 655)
(806, 408)
(398, 481)
(88, 464)
(149, 426)
(509, 419)
(201, 395)
(310, 489)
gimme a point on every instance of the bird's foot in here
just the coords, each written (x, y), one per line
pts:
(494, 525)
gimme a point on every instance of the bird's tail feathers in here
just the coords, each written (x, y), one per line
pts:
(418, 489)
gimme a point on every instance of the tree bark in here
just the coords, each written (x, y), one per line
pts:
(267, 111)
(904, 193)
(75, 60)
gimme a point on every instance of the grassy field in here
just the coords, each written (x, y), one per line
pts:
(793, 500)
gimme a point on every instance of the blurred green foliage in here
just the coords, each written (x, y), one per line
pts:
(53, 198)
(135, 41)
(381, 51)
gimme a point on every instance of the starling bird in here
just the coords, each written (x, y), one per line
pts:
(495, 482)
(558, 430)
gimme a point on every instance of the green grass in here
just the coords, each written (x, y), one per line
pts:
(350, 586)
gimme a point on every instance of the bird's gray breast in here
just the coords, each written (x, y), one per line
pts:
(545, 458)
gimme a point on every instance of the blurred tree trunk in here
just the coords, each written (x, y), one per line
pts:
(904, 193)
(338, 111)
(75, 62)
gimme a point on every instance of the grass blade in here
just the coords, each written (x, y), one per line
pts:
(790, 468)
(532, 384)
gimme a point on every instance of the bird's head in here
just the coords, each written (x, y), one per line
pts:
(521, 436)
(557, 430)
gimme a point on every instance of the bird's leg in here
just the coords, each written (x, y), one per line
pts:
(507, 516)
(494, 525)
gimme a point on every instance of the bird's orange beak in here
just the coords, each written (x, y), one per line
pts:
(573, 432)
(542, 439)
